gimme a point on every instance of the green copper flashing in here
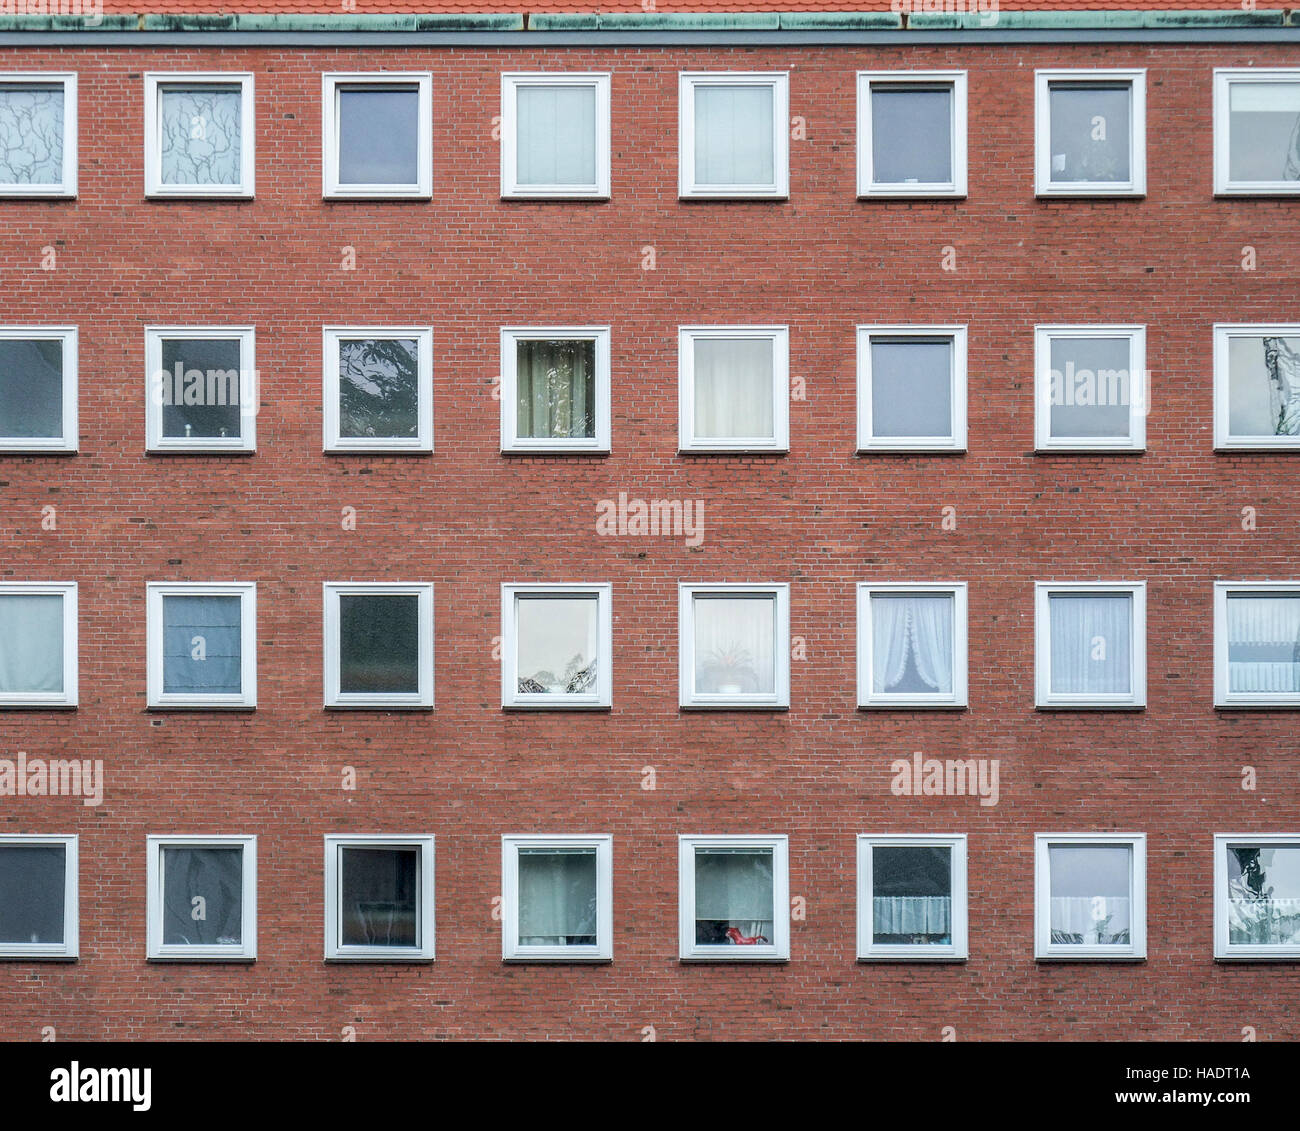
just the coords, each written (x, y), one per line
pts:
(1064, 21)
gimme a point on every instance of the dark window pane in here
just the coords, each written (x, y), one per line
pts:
(378, 900)
(379, 387)
(203, 891)
(379, 129)
(556, 389)
(1090, 132)
(199, 387)
(911, 388)
(911, 135)
(201, 645)
(379, 642)
(32, 891)
(911, 888)
(31, 387)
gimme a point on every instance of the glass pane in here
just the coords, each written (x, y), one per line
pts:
(31, 134)
(1264, 895)
(33, 881)
(733, 135)
(557, 897)
(911, 894)
(1090, 893)
(557, 135)
(203, 891)
(379, 642)
(556, 389)
(1264, 131)
(911, 388)
(735, 642)
(379, 387)
(200, 388)
(733, 388)
(1090, 387)
(912, 643)
(378, 896)
(31, 387)
(1263, 386)
(557, 645)
(379, 135)
(733, 896)
(200, 130)
(1091, 637)
(911, 134)
(1090, 132)
(31, 643)
(1264, 643)
(201, 645)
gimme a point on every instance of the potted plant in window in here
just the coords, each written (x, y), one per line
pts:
(729, 670)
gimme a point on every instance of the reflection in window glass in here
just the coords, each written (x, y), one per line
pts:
(378, 135)
(556, 645)
(31, 134)
(1090, 132)
(1263, 386)
(1264, 895)
(378, 900)
(1264, 131)
(200, 129)
(203, 891)
(911, 134)
(555, 389)
(379, 387)
(200, 387)
(1090, 893)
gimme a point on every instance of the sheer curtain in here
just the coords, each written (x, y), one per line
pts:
(1091, 643)
(733, 388)
(912, 625)
(201, 644)
(1264, 643)
(216, 875)
(557, 897)
(735, 642)
(911, 915)
(733, 135)
(31, 643)
(1095, 919)
(734, 887)
(556, 135)
(555, 389)
(31, 893)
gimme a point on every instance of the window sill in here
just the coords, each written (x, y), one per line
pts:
(915, 706)
(396, 959)
(525, 708)
(39, 957)
(754, 451)
(1088, 450)
(191, 708)
(908, 450)
(566, 452)
(741, 196)
(378, 196)
(184, 194)
(1054, 959)
(1090, 193)
(1128, 708)
(214, 451)
(868, 959)
(376, 451)
(1287, 705)
(903, 193)
(244, 959)
(20, 448)
(1254, 447)
(559, 196)
(713, 959)
(1233, 959)
(405, 708)
(558, 960)
(734, 706)
(28, 192)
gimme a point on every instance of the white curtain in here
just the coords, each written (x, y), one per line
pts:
(556, 644)
(31, 643)
(733, 135)
(557, 896)
(735, 644)
(733, 388)
(1268, 630)
(735, 886)
(1091, 643)
(1262, 921)
(911, 915)
(555, 389)
(1078, 915)
(916, 625)
(201, 645)
(556, 135)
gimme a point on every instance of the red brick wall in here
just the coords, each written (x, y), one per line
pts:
(820, 518)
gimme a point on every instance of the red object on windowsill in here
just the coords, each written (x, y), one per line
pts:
(733, 933)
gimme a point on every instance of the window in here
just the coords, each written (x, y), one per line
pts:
(1091, 133)
(733, 135)
(202, 644)
(735, 645)
(1090, 388)
(1091, 895)
(199, 134)
(38, 896)
(912, 897)
(378, 131)
(912, 645)
(1257, 644)
(557, 894)
(1091, 644)
(911, 133)
(1257, 386)
(379, 898)
(1257, 896)
(38, 135)
(378, 389)
(1257, 132)
(202, 898)
(735, 898)
(555, 389)
(38, 389)
(555, 136)
(202, 389)
(732, 386)
(558, 644)
(38, 644)
(912, 388)
(378, 645)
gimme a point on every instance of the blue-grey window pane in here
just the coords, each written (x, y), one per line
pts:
(379, 897)
(203, 893)
(1264, 131)
(200, 387)
(31, 643)
(201, 645)
(733, 135)
(31, 134)
(911, 134)
(379, 135)
(557, 135)
(557, 897)
(1091, 387)
(32, 891)
(31, 387)
(379, 642)
(200, 134)
(379, 388)
(1263, 386)
(911, 388)
(1090, 132)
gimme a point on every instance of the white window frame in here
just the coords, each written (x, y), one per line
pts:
(154, 82)
(67, 186)
(385, 700)
(249, 391)
(511, 949)
(335, 949)
(1224, 78)
(68, 591)
(246, 591)
(600, 699)
(1046, 950)
(1223, 698)
(69, 948)
(867, 698)
(1139, 399)
(688, 81)
(779, 441)
(778, 950)
(689, 698)
(1136, 185)
(68, 441)
(331, 188)
(867, 185)
(1224, 332)
(511, 189)
(511, 441)
(158, 951)
(956, 440)
(955, 951)
(1224, 951)
(423, 440)
(1045, 699)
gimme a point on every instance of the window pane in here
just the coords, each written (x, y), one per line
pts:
(1264, 131)
(379, 642)
(1090, 132)
(733, 388)
(1264, 643)
(1091, 635)
(733, 896)
(31, 134)
(912, 643)
(379, 134)
(557, 897)
(556, 389)
(200, 128)
(203, 890)
(200, 387)
(1090, 893)
(733, 135)
(31, 387)
(911, 134)
(379, 387)
(911, 387)
(31, 643)
(201, 645)
(1263, 386)
(557, 135)
(1090, 387)
(911, 894)
(557, 645)
(378, 896)
(32, 891)
(735, 641)
(1264, 895)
